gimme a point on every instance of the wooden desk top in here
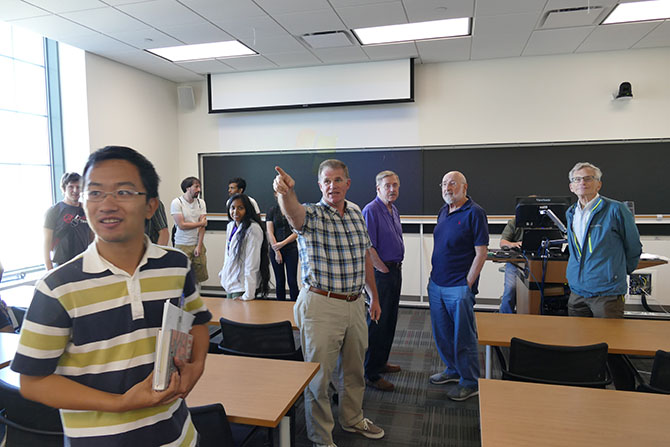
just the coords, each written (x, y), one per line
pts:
(522, 414)
(253, 391)
(254, 311)
(8, 344)
(637, 337)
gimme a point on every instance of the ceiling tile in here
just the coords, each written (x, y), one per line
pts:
(249, 29)
(444, 50)
(204, 67)
(378, 14)
(497, 7)
(225, 10)
(616, 37)
(202, 32)
(556, 41)
(155, 65)
(106, 20)
(341, 55)
(146, 38)
(280, 43)
(275, 7)
(427, 10)
(249, 63)
(53, 27)
(393, 51)
(67, 5)
(659, 37)
(340, 3)
(16, 9)
(293, 59)
(99, 43)
(161, 13)
(124, 2)
(501, 36)
(566, 4)
(310, 21)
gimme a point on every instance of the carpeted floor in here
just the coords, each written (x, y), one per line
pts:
(417, 413)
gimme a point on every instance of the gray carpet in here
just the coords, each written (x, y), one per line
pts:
(417, 413)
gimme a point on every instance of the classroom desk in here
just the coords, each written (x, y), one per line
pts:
(253, 391)
(518, 414)
(254, 311)
(623, 336)
(8, 344)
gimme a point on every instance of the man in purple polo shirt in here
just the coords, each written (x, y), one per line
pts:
(460, 242)
(387, 252)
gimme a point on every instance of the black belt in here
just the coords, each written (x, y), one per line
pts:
(339, 296)
(391, 265)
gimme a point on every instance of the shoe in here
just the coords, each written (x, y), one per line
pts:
(441, 378)
(325, 445)
(388, 368)
(381, 384)
(460, 393)
(367, 428)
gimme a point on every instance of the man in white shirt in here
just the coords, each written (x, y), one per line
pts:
(190, 216)
(238, 185)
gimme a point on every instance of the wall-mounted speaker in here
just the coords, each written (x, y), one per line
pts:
(185, 97)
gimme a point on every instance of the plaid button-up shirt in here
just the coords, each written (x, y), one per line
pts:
(332, 248)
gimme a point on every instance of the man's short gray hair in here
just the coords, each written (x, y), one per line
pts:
(585, 164)
(333, 164)
(382, 175)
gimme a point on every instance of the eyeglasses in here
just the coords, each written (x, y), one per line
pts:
(452, 183)
(585, 179)
(122, 195)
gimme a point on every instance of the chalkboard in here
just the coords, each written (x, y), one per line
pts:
(632, 170)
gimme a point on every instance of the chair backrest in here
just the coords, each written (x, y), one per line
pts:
(660, 371)
(561, 365)
(16, 314)
(271, 340)
(212, 425)
(29, 423)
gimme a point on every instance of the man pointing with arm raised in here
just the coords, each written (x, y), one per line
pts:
(330, 312)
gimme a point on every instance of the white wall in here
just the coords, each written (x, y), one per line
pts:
(129, 107)
(515, 100)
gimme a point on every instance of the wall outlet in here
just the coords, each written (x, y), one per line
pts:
(639, 283)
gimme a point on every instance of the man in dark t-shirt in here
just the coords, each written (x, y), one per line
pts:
(66, 231)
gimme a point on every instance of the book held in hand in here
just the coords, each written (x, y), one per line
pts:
(173, 341)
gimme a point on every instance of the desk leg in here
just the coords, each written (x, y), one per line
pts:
(285, 432)
(488, 361)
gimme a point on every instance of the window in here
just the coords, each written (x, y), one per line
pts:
(25, 149)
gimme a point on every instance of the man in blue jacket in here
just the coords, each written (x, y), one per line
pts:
(604, 247)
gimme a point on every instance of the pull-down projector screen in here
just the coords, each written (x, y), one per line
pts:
(326, 85)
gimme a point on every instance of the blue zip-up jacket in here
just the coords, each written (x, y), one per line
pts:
(611, 250)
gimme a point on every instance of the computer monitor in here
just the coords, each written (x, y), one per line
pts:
(529, 211)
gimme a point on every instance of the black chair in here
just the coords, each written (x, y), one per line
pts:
(214, 429)
(28, 423)
(17, 314)
(584, 366)
(659, 382)
(271, 341)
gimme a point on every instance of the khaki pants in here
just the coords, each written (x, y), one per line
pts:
(332, 329)
(198, 263)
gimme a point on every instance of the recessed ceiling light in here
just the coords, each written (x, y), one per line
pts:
(435, 29)
(202, 51)
(639, 12)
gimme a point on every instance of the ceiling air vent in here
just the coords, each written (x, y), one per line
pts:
(328, 39)
(572, 17)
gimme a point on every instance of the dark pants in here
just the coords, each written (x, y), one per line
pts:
(290, 262)
(380, 335)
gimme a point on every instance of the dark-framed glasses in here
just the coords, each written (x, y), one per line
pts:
(585, 179)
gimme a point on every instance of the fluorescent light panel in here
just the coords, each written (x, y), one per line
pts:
(639, 12)
(435, 29)
(212, 50)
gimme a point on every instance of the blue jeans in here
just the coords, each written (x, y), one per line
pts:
(508, 300)
(455, 331)
(380, 334)
(290, 262)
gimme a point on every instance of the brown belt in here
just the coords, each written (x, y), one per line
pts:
(339, 296)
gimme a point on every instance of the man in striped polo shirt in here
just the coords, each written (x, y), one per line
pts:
(87, 344)
(330, 312)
